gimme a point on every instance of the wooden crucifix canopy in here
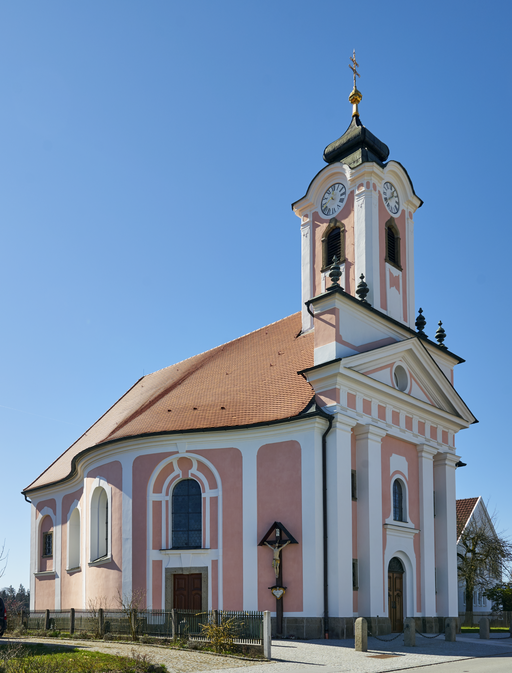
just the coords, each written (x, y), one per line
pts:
(281, 537)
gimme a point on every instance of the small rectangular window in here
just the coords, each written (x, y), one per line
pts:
(354, 485)
(355, 574)
(47, 544)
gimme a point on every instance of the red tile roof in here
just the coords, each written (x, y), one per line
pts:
(250, 380)
(465, 509)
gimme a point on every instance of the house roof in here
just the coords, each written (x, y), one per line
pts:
(247, 381)
(465, 509)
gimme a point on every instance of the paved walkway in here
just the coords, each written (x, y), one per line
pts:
(331, 656)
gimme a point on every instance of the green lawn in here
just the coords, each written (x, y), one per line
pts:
(476, 629)
(39, 658)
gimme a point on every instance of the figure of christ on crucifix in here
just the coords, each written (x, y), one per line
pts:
(276, 549)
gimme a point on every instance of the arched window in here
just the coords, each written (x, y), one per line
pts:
(99, 524)
(392, 243)
(187, 515)
(46, 542)
(398, 501)
(74, 539)
(333, 243)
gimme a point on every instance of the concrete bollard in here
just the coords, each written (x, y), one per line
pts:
(267, 635)
(450, 629)
(410, 632)
(485, 631)
(361, 635)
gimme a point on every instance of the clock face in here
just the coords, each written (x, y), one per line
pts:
(333, 199)
(391, 199)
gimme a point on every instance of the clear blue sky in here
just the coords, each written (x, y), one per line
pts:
(149, 154)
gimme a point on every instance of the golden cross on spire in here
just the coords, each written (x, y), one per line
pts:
(353, 67)
(355, 96)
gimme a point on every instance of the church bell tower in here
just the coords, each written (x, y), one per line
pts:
(361, 210)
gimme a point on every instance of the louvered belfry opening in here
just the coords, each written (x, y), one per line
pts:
(391, 246)
(334, 245)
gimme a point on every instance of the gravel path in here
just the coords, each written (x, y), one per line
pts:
(321, 656)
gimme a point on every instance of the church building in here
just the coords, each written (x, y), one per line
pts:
(306, 468)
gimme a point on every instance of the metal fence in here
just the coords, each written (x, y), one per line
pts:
(171, 624)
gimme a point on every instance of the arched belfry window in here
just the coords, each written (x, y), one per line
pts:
(333, 243)
(187, 515)
(392, 244)
(398, 501)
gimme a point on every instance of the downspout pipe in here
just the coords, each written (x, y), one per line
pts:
(330, 419)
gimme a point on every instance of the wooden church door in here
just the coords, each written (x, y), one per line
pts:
(396, 595)
(188, 592)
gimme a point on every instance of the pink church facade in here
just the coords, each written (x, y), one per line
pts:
(338, 421)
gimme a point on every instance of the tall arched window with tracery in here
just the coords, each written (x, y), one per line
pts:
(187, 513)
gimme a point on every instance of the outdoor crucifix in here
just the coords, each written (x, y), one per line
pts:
(276, 539)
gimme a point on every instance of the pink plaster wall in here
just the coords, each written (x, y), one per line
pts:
(395, 417)
(157, 542)
(367, 407)
(105, 580)
(326, 327)
(421, 428)
(445, 437)
(157, 585)
(381, 412)
(229, 464)
(351, 401)
(50, 503)
(215, 584)
(45, 593)
(328, 397)
(408, 423)
(71, 583)
(280, 499)
(433, 432)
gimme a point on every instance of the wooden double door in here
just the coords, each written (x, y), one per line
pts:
(396, 595)
(188, 592)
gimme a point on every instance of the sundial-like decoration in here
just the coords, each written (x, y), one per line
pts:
(362, 290)
(440, 335)
(420, 323)
(335, 273)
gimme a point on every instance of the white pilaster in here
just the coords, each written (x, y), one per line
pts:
(250, 526)
(369, 520)
(34, 549)
(307, 270)
(339, 516)
(127, 553)
(427, 538)
(366, 242)
(446, 534)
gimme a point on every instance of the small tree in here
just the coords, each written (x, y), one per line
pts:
(501, 597)
(482, 555)
(132, 605)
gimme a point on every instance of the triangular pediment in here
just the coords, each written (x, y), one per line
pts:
(424, 379)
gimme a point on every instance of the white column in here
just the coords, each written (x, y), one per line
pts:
(307, 270)
(369, 520)
(339, 517)
(427, 542)
(57, 552)
(446, 534)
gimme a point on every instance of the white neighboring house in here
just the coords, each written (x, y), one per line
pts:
(472, 511)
